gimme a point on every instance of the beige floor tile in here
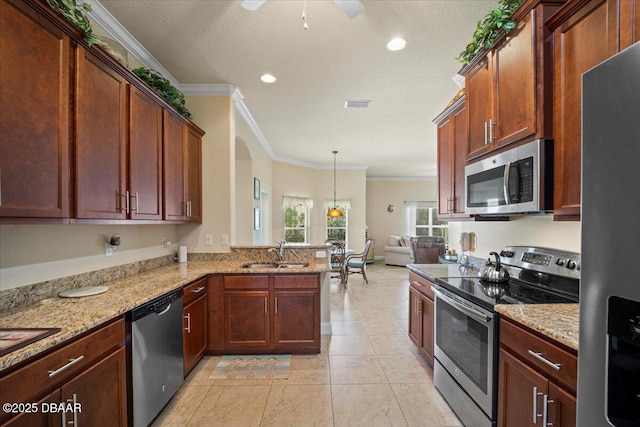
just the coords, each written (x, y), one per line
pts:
(364, 369)
(298, 405)
(393, 344)
(231, 406)
(200, 374)
(385, 326)
(347, 327)
(344, 314)
(343, 345)
(366, 405)
(404, 369)
(182, 407)
(423, 406)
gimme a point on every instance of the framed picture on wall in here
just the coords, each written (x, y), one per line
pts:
(256, 218)
(256, 188)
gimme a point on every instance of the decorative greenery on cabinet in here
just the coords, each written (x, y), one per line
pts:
(164, 88)
(74, 12)
(495, 22)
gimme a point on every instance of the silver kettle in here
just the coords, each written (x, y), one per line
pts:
(494, 271)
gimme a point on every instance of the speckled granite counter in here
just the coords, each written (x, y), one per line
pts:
(560, 322)
(77, 315)
(432, 271)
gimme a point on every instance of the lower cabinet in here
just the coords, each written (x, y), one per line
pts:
(81, 383)
(270, 313)
(536, 380)
(421, 315)
(195, 323)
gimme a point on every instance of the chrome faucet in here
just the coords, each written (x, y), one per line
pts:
(280, 250)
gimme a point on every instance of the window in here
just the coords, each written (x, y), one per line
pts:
(296, 219)
(337, 228)
(421, 219)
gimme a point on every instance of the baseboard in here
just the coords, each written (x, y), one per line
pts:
(325, 328)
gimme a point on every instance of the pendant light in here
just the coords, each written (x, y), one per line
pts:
(334, 212)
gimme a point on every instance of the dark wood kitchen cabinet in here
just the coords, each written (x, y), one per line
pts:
(101, 104)
(452, 146)
(524, 378)
(69, 375)
(35, 114)
(270, 313)
(507, 89)
(585, 33)
(195, 323)
(194, 173)
(421, 315)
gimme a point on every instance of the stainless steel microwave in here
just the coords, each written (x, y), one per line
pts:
(516, 181)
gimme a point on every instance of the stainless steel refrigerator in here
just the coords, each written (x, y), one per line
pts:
(609, 351)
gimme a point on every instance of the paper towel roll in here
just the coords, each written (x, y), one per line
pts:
(182, 254)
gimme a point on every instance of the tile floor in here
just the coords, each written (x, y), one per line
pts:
(368, 373)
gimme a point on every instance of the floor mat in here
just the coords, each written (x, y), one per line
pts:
(252, 367)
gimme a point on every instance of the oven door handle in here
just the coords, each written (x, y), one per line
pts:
(463, 308)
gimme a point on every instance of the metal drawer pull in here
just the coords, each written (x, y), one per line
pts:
(276, 304)
(62, 368)
(265, 305)
(198, 290)
(536, 393)
(188, 328)
(416, 283)
(538, 356)
(545, 411)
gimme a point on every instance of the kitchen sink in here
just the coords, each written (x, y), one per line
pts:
(253, 265)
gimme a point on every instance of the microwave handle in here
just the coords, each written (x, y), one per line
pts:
(514, 183)
(505, 183)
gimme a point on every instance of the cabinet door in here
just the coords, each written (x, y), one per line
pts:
(246, 319)
(515, 84)
(445, 162)
(629, 15)
(194, 175)
(426, 330)
(174, 164)
(460, 149)
(296, 319)
(579, 44)
(34, 118)
(100, 392)
(479, 100)
(195, 332)
(415, 318)
(101, 137)
(41, 417)
(520, 388)
(562, 407)
(145, 156)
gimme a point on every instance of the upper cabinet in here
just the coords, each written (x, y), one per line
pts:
(34, 115)
(82, 136)
(585, 33)
(507, 89)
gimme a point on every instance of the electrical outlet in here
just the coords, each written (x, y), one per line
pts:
(208, 239)
(164, 241)
(225, 239)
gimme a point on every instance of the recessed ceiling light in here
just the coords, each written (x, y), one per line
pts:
(357, 104)
(396, 44)
(268, 78)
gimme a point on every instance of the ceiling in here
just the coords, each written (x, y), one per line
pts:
(302, 115)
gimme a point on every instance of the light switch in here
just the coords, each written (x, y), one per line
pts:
(208, 239)
(225, 239)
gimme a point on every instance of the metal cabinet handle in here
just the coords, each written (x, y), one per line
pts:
(188, 328)
(545, 411)
(75, 413)
(0, 187)
(486, 140)
(68, 365)
(417, 283)
(492, 137)
(135, 195)
(276, 304)
(198, 290)
(536, 393)
(266, 305)
(538, 356)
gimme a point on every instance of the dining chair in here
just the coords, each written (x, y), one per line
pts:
(356, 264)
(338, 252)
(427, 249)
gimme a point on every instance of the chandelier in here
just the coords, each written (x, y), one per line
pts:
(334, 212)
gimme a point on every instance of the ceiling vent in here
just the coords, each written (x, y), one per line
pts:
(357, 104)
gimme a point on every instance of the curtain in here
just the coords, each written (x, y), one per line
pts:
(410, 207)
(342, 204)
(292, 201)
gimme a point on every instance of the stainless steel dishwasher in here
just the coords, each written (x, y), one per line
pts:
(155, 356)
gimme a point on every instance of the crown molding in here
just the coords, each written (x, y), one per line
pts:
(196, 89)
(120, 34)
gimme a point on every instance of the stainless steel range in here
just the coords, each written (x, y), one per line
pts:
(466, 323)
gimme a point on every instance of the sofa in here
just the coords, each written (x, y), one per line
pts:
(398, 251)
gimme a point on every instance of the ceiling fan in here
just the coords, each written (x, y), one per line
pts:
(352, 8)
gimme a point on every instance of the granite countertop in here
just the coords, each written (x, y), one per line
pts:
(560, 322)
(77, 315)
(433, 271)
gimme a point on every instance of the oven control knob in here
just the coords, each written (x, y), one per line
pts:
(571, 264)
(560, 262)
(506, 254)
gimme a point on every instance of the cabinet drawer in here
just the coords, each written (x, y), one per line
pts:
(249, 281)
(421, 285)
(533, 349)
(194, 290)
(296, 281)
(29, 382)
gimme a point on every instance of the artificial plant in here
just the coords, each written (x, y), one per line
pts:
(74, 12)
(164, 88)
(496, 21)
